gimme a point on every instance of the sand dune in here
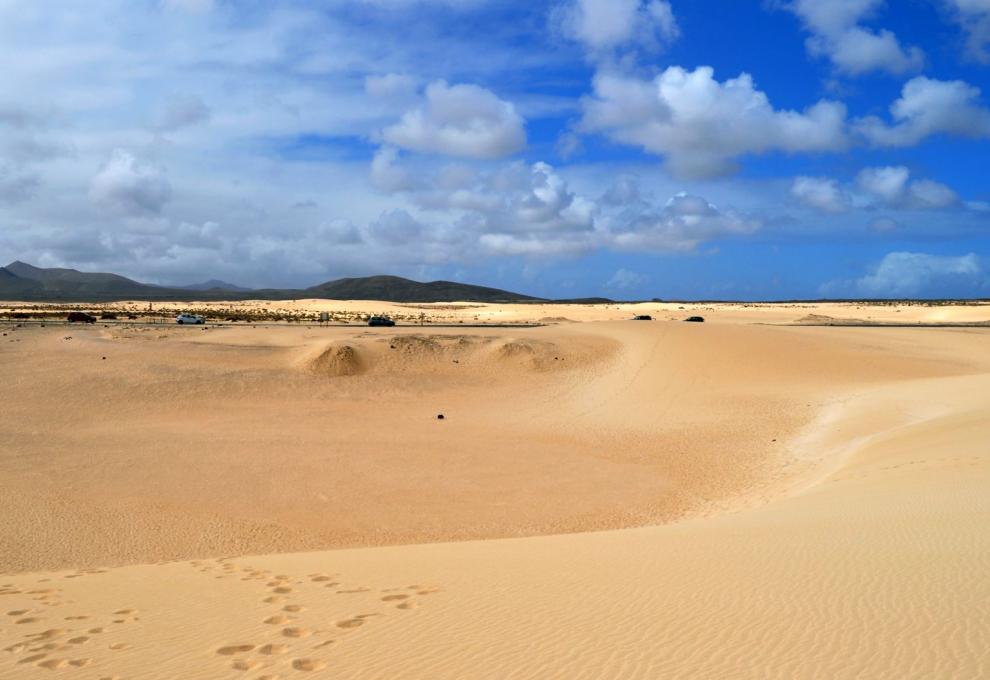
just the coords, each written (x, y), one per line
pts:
(719, 500)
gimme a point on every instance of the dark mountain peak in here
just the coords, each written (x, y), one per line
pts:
(23, 269)
(398, 289)
(22, 281)
(214, 284)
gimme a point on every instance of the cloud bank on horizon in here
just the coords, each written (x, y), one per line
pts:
(634, 148)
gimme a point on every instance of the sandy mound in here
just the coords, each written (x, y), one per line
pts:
(338, 360)
(464, 355)
(528, 354)
(825, 320)
(411, 348)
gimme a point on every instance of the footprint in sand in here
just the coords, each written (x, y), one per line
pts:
(282, 590)
(293, 608)
(50, 634)
(277, 620)
(80, 663)
(82, 639)
(296, 632)
(18, 612)
(245, 664)
(274, 650)
(272, 599)
(350, 623)
(32, 658)
(117, 646)
(394, 598)
(30, 619)
(53, 664)
(308, 664)
(230, 650)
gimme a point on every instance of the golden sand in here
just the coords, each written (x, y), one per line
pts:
(603, 497)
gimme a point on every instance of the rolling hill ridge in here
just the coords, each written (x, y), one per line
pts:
(22, 281)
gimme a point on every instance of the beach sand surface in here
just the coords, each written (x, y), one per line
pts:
(602, 499)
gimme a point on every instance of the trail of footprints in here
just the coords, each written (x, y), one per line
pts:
(62, 641)
(956, 461)
(296, 642)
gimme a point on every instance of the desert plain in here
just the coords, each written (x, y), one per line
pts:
(783, 491)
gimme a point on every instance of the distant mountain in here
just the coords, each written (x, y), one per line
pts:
(15, 287)
(214, 284)
(58, 284)
(20, 281)
(397, 289)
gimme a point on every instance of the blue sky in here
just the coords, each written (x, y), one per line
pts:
(772, 149)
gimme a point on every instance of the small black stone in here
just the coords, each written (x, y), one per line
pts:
(440, 416)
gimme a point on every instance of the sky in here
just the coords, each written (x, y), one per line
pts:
(634, 149)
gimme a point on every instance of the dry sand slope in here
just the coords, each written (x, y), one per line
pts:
(831, 486)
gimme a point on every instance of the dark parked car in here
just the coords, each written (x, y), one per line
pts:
(696, 319)
(642, 317)
(380, 321)
(80, 317)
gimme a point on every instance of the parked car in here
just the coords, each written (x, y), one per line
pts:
(642, 317)
(695, 319)
(380, 321)
(80, 317)
(189, 318)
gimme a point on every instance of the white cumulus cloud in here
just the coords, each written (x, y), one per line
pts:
(837, 34)
(928, 107)
(892, 186)
(459, 120)
(700, 125)
(531, 210)
(606, 25)
(821, 193)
